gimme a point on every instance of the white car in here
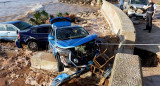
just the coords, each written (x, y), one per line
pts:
(136, 8)
(8, 30)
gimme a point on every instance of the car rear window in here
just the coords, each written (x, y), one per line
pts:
(10, 28)
(22, 25)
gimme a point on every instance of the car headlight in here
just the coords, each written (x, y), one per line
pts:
(63, 52)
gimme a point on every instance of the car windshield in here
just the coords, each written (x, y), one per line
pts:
(71, 33)
(22, 25)
(143, 2)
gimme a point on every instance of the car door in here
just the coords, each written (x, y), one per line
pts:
(11, 31)
(3, 32)
(41, 34)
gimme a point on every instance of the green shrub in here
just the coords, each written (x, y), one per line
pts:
(66, 13)
(51, 16)
(40, 17)
(59, 15)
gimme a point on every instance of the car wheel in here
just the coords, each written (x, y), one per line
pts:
(32, 45)
(60, 65)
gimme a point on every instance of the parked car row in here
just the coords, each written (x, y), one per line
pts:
(59, 33)
(70, 45)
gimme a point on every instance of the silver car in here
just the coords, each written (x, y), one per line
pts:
(136, 8)
(8, 30)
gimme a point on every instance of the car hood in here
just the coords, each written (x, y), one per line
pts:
(138, 5)
(74, 42)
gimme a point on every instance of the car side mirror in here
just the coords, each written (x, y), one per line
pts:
(51, 38)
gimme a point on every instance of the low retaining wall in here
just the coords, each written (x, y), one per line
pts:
(126, 71)
(127, 68)
(121, 25)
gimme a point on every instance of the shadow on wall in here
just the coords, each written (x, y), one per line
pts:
(151, 80)
(148, 59)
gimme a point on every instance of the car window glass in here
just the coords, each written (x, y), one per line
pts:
(10, 28)
(34, 31)
(41, 30)
(22, 25)
(71, 33)
(2, 28)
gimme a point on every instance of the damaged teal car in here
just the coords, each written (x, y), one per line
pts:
(72, 46)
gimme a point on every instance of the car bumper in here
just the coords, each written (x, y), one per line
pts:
(18, 43)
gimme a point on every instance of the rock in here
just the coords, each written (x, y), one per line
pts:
(84, 22)
(31, 81)
(27, 52)
(88, 74)
(79, 14)
(85, 25)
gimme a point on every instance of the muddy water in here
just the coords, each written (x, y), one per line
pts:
(16, 9)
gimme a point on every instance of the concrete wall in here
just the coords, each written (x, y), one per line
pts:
(121, 25)
(126, 68)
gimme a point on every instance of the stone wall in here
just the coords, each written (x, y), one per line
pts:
(127, 67)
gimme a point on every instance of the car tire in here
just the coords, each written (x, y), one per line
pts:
(32, 45)
(60, 65)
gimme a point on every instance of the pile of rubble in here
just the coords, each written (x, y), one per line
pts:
(15, 68)
(93, 22)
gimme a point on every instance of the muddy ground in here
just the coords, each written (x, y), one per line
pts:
(15, 63)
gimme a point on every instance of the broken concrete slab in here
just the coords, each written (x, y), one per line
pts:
(45, 61)
(126, 71)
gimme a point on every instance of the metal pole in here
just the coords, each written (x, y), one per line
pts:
(128, 44)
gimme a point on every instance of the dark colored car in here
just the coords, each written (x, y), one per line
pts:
(34, 37)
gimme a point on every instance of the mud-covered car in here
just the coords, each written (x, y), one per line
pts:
(136, 8)
(72, 46)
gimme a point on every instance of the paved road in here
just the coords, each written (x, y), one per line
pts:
(143, 37)
(151, 75)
